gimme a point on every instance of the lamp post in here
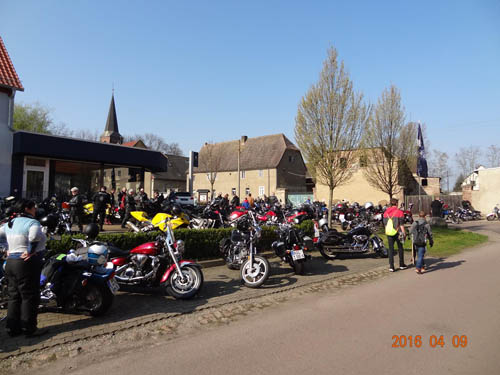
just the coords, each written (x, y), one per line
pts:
(239, 173)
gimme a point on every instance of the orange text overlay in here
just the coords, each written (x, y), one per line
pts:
(433, 341)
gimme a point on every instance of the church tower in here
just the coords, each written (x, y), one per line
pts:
(111, 133)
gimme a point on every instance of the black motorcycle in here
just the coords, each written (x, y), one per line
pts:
(239, 252)
(291, 247)
(359, 240)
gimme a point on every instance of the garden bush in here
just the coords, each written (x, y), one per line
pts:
(200, 243)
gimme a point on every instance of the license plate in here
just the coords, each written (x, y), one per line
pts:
(297, 254)
(113, 285)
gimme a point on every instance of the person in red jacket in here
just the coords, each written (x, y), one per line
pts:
(397, 217)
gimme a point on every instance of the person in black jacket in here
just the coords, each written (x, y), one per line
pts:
(235, 201)
(129, 206)
(101, 200)
(76, 208)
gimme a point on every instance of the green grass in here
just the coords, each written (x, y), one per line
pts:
(448, 241)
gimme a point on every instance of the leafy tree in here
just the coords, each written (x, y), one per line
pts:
(330, 119)
(389, 144)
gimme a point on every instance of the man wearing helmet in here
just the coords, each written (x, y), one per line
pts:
(101, 200)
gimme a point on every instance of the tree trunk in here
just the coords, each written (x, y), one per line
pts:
(330, 199)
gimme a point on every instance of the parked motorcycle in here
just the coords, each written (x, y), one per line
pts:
(159, 263)
(158, 222)
(358, 240)
(82, 280)
(77, 283)
(239, 251)
(494, 215)
(291, 247)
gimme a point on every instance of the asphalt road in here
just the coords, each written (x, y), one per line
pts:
(350, 332)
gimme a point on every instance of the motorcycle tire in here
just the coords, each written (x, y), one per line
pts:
(345, 225)
(490, 217)
(326, 255)
(298, 267)
(256, 276)
(187, 289)
(97, 299)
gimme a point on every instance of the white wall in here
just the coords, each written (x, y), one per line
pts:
(6, 112)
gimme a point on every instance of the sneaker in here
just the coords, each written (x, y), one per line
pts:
(391, 269)
(403, 267)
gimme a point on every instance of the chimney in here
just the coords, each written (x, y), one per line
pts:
(243, 139)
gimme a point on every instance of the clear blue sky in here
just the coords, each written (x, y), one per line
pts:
(215, 70)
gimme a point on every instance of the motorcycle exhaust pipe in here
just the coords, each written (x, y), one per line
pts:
(134, 279)
(133, 227)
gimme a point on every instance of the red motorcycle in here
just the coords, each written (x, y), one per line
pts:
(159, 263)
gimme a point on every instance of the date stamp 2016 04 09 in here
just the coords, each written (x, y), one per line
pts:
(434, 341)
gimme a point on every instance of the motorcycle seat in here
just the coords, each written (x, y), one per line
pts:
(115, 252)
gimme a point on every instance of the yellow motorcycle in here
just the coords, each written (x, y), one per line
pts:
(159, 221)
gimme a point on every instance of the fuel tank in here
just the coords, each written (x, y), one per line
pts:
(148, 248)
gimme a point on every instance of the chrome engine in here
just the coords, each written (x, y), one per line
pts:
(141, 268)
(239, 251)
(360, 240)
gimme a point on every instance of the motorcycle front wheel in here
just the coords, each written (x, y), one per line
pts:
(491, 217)
(255, 275)
(188, 287)
(97, 299)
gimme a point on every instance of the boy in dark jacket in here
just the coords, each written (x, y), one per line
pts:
(421, 233)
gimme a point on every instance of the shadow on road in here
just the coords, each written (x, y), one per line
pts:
(435, 264)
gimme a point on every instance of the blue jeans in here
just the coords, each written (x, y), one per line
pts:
(420, 256)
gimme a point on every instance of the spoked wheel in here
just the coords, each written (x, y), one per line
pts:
(255, 275)
(187, 286)
(97, 299)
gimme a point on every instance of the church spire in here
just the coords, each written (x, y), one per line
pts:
(111, 133)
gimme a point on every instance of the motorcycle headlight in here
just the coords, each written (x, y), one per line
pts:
(179, 246)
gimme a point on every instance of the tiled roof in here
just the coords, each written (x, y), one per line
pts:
(8, 75)
(256, 153)
(130, 144)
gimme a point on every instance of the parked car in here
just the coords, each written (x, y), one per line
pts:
(184, 198)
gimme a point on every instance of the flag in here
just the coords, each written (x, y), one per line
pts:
(421, 163)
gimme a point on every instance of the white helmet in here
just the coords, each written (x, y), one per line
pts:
(97, 254)
(368, 205)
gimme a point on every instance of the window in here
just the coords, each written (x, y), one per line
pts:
(104, 174)
(291, 158)
(261, 173)
(261, 190)
(242, 174)
(119, 173)
(35, 162)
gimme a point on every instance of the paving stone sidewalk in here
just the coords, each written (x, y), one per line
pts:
(134, 307)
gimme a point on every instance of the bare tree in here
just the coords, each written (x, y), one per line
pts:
(493, 156)
(86, 134)
(210, 159)
(439, 167)
(467, 159)
(156, 143)
(330, 119)
(389, 144)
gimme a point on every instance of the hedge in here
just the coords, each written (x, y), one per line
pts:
(200, 243)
